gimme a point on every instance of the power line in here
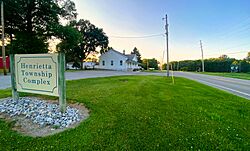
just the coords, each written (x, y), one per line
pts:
(234, 35)
(239, 31)
(230, 53)
(134, 37)
(235, 46)
(239, 25)
(232, 38)
(238, 52)
(218, 54)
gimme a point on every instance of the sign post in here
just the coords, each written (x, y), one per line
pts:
(40, 74)
(62, 83)
(15, 94)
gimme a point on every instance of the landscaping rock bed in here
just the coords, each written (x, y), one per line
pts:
(43, 115)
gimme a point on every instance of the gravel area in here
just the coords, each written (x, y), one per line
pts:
(41, 113)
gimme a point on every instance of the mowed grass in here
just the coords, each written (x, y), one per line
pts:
(145, 113)
(245, 76)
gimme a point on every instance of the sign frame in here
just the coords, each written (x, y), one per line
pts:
(58, 80)
(35, 85)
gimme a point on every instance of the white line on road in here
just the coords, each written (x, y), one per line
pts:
(226, 88)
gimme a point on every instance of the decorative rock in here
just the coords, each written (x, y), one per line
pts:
(40, 112)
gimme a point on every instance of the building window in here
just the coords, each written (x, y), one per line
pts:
(103, 63)
(120, 62)
(112, 62)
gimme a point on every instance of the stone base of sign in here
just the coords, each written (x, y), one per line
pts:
(26, 127)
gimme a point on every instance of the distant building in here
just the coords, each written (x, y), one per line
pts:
(7, 64)
(70, 65)
(114, 60)
(85, 65)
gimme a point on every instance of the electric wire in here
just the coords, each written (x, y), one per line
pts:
(228, 53)
(135, 37)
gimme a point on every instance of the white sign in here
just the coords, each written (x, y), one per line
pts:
(37, 73)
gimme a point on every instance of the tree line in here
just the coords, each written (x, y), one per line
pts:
(220, 64)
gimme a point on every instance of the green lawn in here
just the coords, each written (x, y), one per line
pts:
(245, 76)
(145, 113)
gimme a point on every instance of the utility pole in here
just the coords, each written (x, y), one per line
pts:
(202, 59)
(3, 47)
(166, 27)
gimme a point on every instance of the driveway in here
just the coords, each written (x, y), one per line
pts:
(5, 81)
(99, 73)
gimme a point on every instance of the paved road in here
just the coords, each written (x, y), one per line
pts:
(5, 81)
(99, 73)
(236, 86)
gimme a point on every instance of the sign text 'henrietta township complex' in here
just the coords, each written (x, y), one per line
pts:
(37, 73)
(40, 74)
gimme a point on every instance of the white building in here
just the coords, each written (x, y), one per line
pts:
(114, 60)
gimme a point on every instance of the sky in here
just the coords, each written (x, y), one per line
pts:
(223, 26)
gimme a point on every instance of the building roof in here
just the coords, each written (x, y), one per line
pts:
(131, 61)
(117, 52)
(131, 56)
(128, 56)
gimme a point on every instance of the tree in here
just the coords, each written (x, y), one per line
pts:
(136, 51)
(29, 43)
(150, 63)
(70, 38)
(92, 39)
(164, 66)
(248, 56)
(244, 66)
(30, 23)
(221, 64)
(223, 57)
